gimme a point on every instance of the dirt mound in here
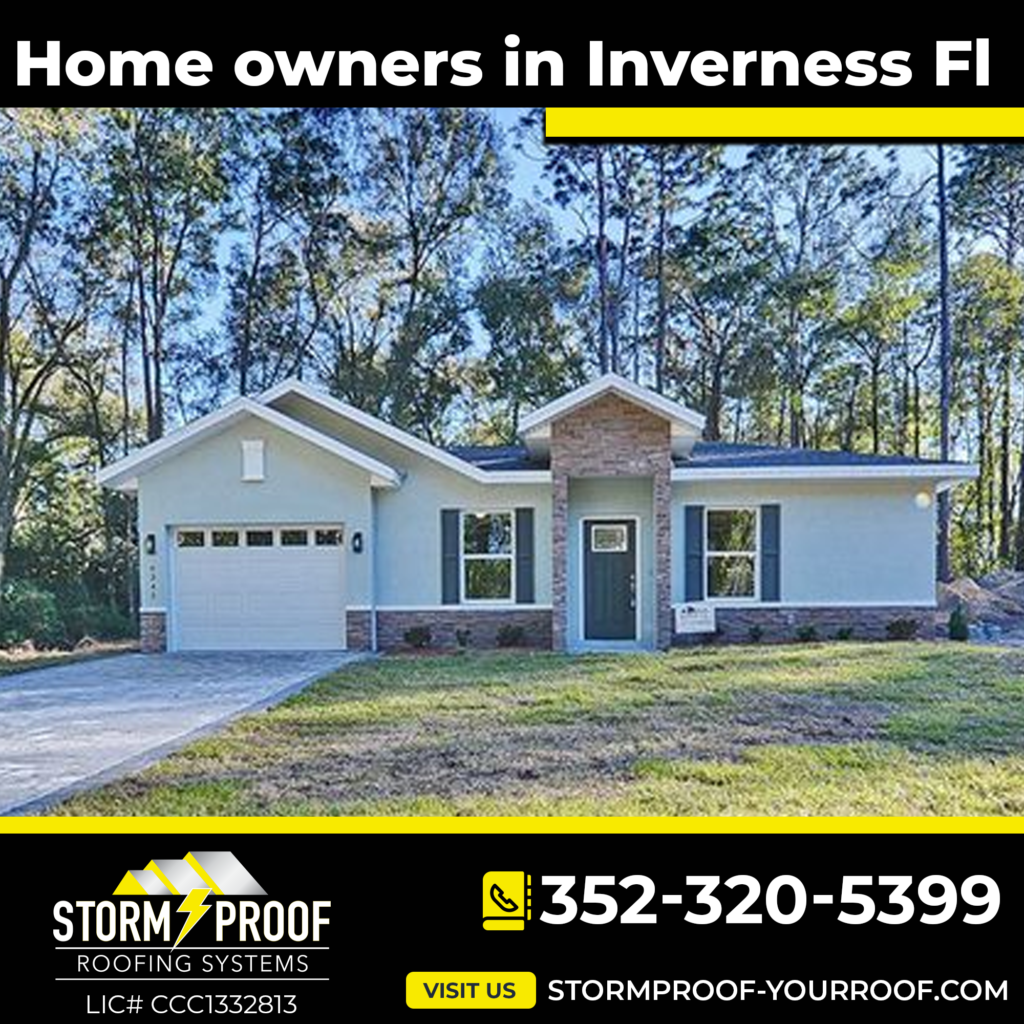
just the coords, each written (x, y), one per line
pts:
(1007, 583)
(1001, 603)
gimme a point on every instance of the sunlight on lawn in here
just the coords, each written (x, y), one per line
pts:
(822, 729)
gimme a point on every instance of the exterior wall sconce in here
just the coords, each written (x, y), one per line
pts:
(923, 499)
(150, 543)
(357, 543)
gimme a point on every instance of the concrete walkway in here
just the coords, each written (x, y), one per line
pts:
(73, 726)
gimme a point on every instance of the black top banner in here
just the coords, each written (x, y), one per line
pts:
(522, 62)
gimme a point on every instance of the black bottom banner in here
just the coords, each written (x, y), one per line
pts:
(314, 926)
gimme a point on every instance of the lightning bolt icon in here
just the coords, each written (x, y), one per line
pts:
(193, 905)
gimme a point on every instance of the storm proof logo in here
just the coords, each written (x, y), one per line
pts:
(194, 877)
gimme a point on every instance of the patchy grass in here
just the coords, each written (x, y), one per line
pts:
(13, 661)
(836, 729)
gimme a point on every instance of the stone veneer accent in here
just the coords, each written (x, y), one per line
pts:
(152, 632)
(611, 437)
(483, 625)
(782, 624)
(357, 630)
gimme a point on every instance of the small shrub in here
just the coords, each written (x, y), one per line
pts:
(462, 638)
(418, 636)
(844, 633)
(511, 636)
(807, 634)
(958, 629)
(902, 629)
(756, 634)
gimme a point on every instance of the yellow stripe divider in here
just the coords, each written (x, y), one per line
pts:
(784, 122)
(502, 825)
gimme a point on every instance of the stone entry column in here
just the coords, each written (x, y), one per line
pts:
(611, 437)
(560, 559)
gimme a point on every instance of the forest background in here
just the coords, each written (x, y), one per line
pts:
(446, 270)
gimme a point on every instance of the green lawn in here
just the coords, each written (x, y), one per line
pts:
(837, 729)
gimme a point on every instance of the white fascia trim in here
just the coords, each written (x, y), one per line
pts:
(512, 476)
(122, 474)
(399, 436)
(621, 386)
(945, 475)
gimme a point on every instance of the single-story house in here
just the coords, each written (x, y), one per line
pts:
(292, 520)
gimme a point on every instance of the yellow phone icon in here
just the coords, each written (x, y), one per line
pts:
(509, 906)
(506, 901)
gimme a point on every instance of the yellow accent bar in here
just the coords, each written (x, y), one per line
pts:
(784, 122)
(502, 826)
(473, 990)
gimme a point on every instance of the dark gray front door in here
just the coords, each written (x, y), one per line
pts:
(609, 579)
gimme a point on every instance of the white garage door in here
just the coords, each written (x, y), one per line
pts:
(270, 588)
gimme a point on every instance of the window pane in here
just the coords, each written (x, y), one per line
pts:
(731, 576)
(487, 534)
(328, 538)
(191, 538)
(732, 529)
(609, 538)
(225, 538)
(294, 538)
(259, 538)
(488, 579)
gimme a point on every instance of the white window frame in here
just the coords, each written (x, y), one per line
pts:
(464, 557)
(755, 555)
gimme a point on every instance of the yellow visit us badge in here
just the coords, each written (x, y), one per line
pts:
(506, 901)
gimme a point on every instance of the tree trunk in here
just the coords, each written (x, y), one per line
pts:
(602, 266)
(661, 321)
(942, 559)
(1018, 562)
(1005, 501)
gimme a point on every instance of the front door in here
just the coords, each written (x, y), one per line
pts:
(609, 579)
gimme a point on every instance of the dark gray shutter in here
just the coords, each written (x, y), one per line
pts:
(450, 556)
(524, 556)
(694, 568)
(770, 551)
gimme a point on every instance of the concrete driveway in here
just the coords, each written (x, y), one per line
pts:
(73, 726)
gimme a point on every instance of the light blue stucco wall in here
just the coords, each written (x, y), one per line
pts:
(842, 542)
(611, 497)
(409, 525)
(203, 486)
(304, 484)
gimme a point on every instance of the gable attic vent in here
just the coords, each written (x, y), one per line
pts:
(252, 461)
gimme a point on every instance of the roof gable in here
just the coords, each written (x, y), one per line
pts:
(123, 474)
(686, 425)
(400, 437)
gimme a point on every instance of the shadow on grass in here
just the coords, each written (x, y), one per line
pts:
(778, 729)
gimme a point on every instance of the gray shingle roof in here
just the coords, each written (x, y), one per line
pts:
(498, 457)
(722, 455)
(706, 455)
